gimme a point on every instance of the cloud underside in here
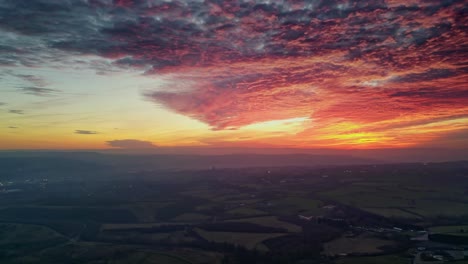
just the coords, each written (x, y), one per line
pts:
(131, 144)
(86, 132)
(38, 91)
(369, 68)
(16, 111)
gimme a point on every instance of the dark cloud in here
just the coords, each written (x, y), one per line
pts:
(12, 127)
(243, 62)
(161, 33)
(16, 111)
(1, 103)
(131, 144)
(432, 93)
(85, 132)
(38, 91)
(429, 75)
(36, 85)
(35, 80)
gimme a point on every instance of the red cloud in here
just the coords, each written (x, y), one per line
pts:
(364, 64)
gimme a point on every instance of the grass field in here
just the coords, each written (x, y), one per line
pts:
(149, 258)
(144, 211)
(247, 240)
(159, 258)
(392, 212)
(390, 259)
(191, 217)
(175, 237)
(270, 221)
(93, 253)
(234, 197)
(387, 199)
(197, 256)
(364, 197)
(20, 243)
(133, 237)
(61, 213)
(137, 257)
(245, 211)
(360, 244)
(450, 230)
(18, 235)
(137, 225)
(294, 204)
(434, 208)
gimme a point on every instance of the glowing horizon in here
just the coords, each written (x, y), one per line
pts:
(97, 74)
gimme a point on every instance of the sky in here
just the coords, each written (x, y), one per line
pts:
(98, 74)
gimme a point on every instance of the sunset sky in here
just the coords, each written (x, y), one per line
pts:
(96, 74)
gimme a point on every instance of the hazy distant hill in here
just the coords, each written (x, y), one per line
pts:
(76, 159)
(237, 161)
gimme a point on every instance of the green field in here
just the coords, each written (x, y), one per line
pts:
(23, 232)
(391, 259)
(24, 244)
(435, 208)
(388, 199)
(247, 240)
(144, 212)
(21, 236)
(233, 216)
(245, 211)
(461, 230)
(150, 258)
(18, 241)
(270, 221)
(365, 197)
(295, 204)
(174, 237)
(191, 217)
(392, 212)
(362, 244)
(72, 213)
